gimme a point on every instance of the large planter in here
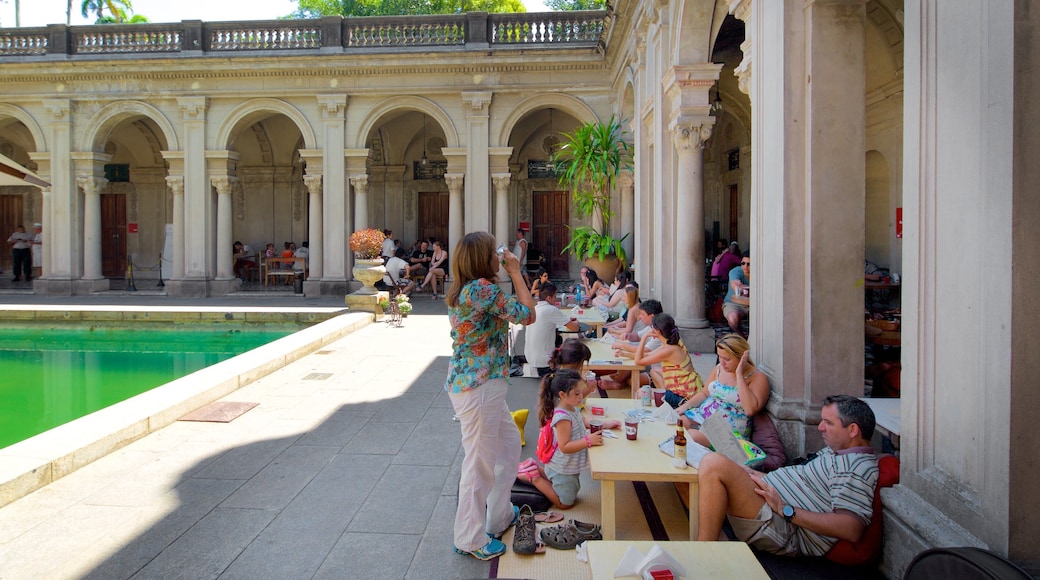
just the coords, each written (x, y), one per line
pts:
(368, 272)
(606, 269)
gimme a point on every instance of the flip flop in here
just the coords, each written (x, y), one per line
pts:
(548, 517)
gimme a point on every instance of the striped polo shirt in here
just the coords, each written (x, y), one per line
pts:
(830, 482)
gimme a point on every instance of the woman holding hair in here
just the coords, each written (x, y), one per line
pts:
(438, 267)
(541, 277)
(736, 391)
(480, 312)
(677, 375)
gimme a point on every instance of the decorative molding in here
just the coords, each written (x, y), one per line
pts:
(91, 185)
(477, 100)
(691, 134)
(500, 181)
(193, 108)
(313, 183)
(176, 184)
(454, 182)
(59, 109)
(332, 106)
(740, 9)
(359, 183)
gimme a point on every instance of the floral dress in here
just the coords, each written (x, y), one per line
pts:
(725, 400)
(480, 333)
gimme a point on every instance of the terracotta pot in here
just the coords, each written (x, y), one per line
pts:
(368, 272)
(606, 269)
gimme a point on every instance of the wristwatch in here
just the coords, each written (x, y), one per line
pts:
(788, 512)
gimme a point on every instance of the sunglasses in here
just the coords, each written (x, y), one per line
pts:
(745, 263)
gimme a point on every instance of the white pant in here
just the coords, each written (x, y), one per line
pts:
(491, 442)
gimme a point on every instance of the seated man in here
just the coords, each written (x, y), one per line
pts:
(420, 259)
(397, 273)
(736, 305)
(802, 509)
(540, 339)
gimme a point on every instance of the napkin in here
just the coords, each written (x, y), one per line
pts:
(666, 413)
(609, 434)
(635, 563)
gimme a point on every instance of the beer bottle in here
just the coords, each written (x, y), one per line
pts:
(680, 447)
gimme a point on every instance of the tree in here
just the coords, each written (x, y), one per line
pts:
(576, 4)
(319, 8)
(117, 10)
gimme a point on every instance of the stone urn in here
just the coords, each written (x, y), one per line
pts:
(368, 272)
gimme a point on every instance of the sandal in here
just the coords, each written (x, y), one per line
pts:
(567, 536)
(524, 541)
(548, 517)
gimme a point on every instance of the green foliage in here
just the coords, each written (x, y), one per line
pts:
(576, 4)
(319, 8)
(588, 162)
(119, 11)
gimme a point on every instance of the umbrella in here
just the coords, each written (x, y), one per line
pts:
(11, 173)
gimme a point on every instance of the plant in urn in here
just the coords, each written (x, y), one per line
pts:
(368, 266)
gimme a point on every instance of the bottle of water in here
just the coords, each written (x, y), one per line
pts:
(577, 296)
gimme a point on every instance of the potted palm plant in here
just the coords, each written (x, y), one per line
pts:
(588, 162)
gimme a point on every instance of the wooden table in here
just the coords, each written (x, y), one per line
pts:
(639, 460)
(283, 267)
(701, 559)
(589, 316)
(604, 358)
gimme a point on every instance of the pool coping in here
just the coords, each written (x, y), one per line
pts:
(35, 462)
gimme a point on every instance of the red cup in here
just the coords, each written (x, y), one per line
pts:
(595, 425)
(631, 429)
(658, 397)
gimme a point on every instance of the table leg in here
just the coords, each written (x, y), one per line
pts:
(606, 498)
(633, 381)
(694, 519)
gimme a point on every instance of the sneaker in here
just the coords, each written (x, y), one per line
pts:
(516, 518)
(524, 541)
(493, 549)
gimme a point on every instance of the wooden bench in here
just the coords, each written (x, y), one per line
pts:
(418, 279)
(283, 268)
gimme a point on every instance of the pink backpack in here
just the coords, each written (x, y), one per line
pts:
(547, 445)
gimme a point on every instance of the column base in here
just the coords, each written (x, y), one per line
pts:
(85, 287)
(190, 288)
(698, 339)
(53, 286)
(912, 525)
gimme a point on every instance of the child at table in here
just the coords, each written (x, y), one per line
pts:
(561, 393)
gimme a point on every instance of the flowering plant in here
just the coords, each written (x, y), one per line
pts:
(367, 243)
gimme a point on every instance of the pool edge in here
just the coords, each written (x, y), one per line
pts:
(35, 462)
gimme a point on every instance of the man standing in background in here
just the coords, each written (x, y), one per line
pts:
(20, 243)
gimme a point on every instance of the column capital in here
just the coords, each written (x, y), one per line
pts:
(455, 182)
(501, 181)
(626, 180)
(690, 134)
(313, 184)
(740, 9)
(193, 108)
(359, 182)
(333, 106)
(91, 185)
(479, 101)
(176, 184)
(223, 183)
(688, 87)
(58, 108)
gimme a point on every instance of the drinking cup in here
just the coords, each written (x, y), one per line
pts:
(595, 425)
(631, 429)
(658, 397)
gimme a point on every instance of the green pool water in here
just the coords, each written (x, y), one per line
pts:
(51, 376)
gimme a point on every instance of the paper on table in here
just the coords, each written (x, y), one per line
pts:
(634, 563)
(609, 434)
(666, 413)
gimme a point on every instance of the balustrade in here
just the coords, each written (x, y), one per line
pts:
(279, 35)
(107, 39)
(14, 43)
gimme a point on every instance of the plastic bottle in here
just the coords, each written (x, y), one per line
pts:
(679, 461)
(577, 297)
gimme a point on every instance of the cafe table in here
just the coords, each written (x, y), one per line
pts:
(591, 317)
(700, 559)
(604, 358)
(639, 460)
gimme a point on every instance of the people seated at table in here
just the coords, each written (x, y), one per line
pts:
(560, 394)
(389, 248)
(736, 305)
(287, 249)
(614, 299)
(397, 273)
(541, 276)
(631, 302)
(541, 337)
(304, 251)
(438, 268)
(736, 391)
(245, 260)
(269, 251)
(677, 376)
(800, 510)
(421, 258)
(728, 259)
(593, 285)
(627, 343)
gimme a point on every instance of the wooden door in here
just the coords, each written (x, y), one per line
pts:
(734, 212)
(549, 232)
(433, 217)
(10, 218)
(113, 235)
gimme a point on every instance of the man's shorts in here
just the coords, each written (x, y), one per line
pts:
(419, 270)
(740, 309)
(768, 531)
(565, 486)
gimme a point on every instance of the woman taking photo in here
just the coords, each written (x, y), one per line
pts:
(480, 312)
(678, 376)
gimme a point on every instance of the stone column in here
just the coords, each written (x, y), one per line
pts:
(501, 183)
(91, 226)
(336, 214)
(626, 186)
(176, 183)
(455, 182)
(477, 206)
(62, 246)
(360, 184)
(314, 230)
(688, 136)
(198, 232)
(225, 261)
(45, 249)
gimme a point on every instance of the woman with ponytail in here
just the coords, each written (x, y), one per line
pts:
(677, 376)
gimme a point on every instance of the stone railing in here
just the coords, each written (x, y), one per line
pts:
(474, 30)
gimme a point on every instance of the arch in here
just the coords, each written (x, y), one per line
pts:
(253, 110)
(573, 106)
(25, 119)
(694, 30)
(101, 125)
(407, 102)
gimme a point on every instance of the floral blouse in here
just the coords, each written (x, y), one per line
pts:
(480, 334)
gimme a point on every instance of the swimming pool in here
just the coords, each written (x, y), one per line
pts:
(50, 375)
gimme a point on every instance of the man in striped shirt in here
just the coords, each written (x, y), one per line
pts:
(802, 509)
